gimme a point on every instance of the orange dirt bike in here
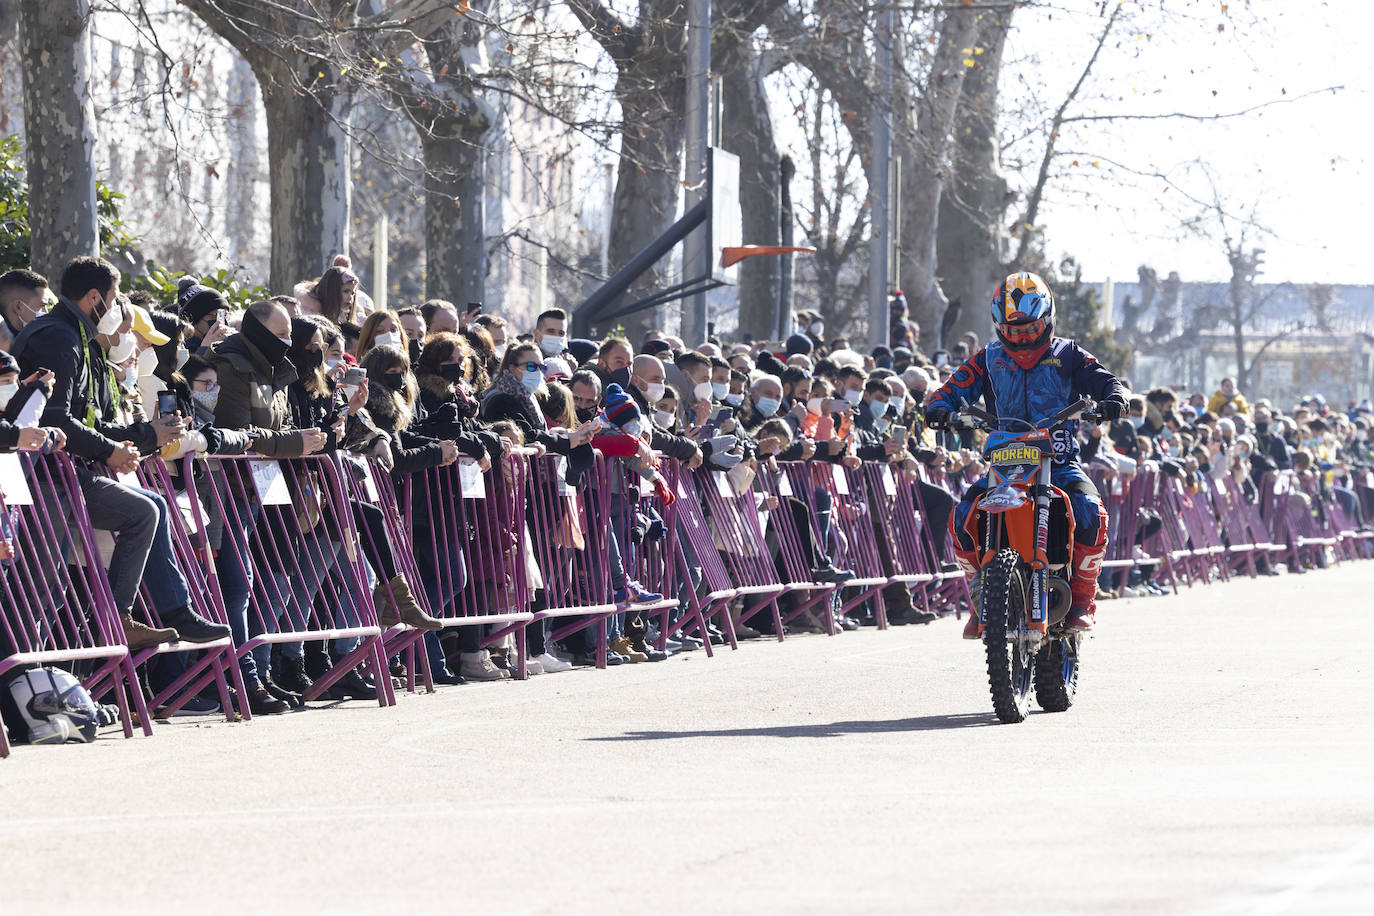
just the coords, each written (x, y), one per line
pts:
(1024, 526)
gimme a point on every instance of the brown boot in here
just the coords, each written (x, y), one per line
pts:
(138, 635)
(395, 602)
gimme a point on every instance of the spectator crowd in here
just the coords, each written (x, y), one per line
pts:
(116, 381)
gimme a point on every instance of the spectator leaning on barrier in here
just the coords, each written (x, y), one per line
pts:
(64, 342)
(23, 439)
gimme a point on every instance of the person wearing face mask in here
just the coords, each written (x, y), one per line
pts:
(690, 374)
(200, 306)
(22, 439)
(81, 405)
(447, 407)
(613, 359)
(647, 388)
(24, 295)
(585, 386)
(1269, 443)
(549, 334)
(413, 327)
(382, 328)
(511, 397)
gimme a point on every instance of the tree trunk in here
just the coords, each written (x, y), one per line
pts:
(921, 134)
(59, 124)
(971, 240)
(748, 133)
(649, 176)
(455, 213)
(308, 149)
(241, 220)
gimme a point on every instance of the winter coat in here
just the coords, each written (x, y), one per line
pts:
(253, 396)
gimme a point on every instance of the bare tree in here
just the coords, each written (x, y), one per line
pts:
(60, 131)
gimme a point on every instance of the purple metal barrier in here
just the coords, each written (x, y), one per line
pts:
(193, 557)
(787, 542)
(55, 602)
(470, 534)
(736, 530)
(852, 519)
(1242, 549)
(290, 527)
(950, 589)
(896, 525)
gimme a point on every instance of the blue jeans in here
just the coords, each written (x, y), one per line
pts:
(236, 577)
(143, 549)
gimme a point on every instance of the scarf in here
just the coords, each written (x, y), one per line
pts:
(506, 383)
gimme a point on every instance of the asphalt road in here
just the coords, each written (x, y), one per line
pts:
(1219, 761)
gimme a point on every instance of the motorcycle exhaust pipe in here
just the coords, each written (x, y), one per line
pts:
(1061, 598)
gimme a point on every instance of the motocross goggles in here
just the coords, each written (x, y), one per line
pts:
(1024, 333)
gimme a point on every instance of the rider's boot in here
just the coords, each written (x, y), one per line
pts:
(968, 562)
(1087, 562)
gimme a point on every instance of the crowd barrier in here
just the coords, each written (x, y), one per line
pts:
(293, 552)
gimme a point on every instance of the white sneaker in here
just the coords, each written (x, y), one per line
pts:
(550, 663)
(532, 667)
(477, 666)
(1128, 592)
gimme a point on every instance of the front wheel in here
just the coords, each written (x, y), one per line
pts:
(1056, 673)
(1006, 638)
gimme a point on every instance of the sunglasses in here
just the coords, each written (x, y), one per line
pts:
(532, 366)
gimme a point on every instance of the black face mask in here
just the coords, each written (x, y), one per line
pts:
(452, 372)
(1261, 427)
(268, 344)
(414, 352)
(621, 377)
(309, 360)
(585, 413)
(394, 381)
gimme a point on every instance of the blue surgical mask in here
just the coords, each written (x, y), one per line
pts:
(734, 400)
(720, 389)
(881, 424)
(768, 406)
(876, 408)
(531, 379)
(633, 428)
(1137, 422)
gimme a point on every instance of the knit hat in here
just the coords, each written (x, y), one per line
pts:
(7, 363)
(798, 343)
(583, 350)
(618, 406)
(195, 301)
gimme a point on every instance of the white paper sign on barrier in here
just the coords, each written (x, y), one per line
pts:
(723, 485)
(13, 486)
(784, 485)
(471, 476)
(841, 479)
(270, 483)
(561, 469)
(370, 483)
(889, 485)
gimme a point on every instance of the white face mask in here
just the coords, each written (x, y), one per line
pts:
(734, 400)
(817, 328)
(702, 391)
(123, 347)
(663, 419)
(131, 376)
(111, 320)
(389, 339)
(720, 389)
(854, 396)
(183, 355)
(499, 351)
(329, 364)
(7, 392)
(814, 405)
(654, 391)
(552, 346)
(147, 362)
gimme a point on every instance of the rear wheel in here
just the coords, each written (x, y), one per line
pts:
(1056, 673)
(1011, 666)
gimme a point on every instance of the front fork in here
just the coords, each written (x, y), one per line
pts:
(1039, 591)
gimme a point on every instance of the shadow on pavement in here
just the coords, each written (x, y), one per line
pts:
(832, 730)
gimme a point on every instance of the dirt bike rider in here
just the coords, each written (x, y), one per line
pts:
(1029, 374)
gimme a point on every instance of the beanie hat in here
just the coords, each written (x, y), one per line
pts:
(195, 300)
(618, 406)
(7, 363)
(583, 350)
(798, 343)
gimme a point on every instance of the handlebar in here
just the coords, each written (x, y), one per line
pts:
(974, 417)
